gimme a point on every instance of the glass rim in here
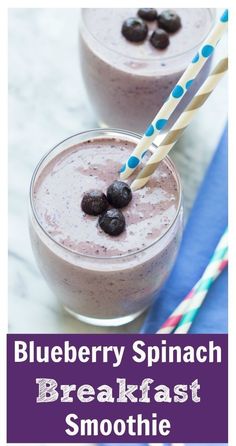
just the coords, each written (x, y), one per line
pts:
(100, 258)
(153, 60)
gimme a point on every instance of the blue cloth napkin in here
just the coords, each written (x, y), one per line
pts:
(206, 224)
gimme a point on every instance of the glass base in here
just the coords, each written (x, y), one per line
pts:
(116, 322)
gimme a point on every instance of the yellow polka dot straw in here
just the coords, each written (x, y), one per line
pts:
(182, 122)
(176, 95)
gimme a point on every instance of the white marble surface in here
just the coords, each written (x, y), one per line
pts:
(47, 103)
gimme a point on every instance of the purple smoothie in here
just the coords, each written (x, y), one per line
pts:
(128, 82)
(97, 276)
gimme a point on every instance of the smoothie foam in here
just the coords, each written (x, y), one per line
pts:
(104, 24)
(103, 279)
(128, 82)
(94, 165)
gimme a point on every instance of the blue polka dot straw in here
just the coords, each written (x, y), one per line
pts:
(184, 83)
(180, 125)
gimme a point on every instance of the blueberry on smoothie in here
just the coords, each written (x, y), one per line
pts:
(169, 21)
(112, 222)
(119, 194)
(159, 39)
(149, 14)
(134, 29)
(94, 202)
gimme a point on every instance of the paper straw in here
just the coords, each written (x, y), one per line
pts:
(198, 298)
(173, 320)
(182, 122)
(161, 119)
(192, 302)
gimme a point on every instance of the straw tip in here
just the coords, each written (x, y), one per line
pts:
(124, 174)
(134, 186)
(138, 183)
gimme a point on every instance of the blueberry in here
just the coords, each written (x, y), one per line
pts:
(94, 202)
(134, 29)
(149, 14)
(169, 21)
(112, 222)
(119, 194)
(160, 39)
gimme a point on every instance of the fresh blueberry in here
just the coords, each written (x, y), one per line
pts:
(169, 21)
(159, 39)
(134, 29)
(149, 14)
(112, 222)
(119, 194)
(94, 202)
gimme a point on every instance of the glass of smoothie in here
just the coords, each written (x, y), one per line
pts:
(128, 82)
(102, 279)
